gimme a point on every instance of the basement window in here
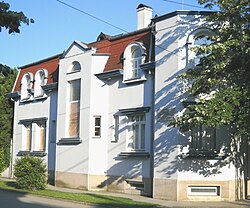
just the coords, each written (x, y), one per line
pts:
(204, 190)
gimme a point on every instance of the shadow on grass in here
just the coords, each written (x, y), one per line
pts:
(120, 202)
(12, 184)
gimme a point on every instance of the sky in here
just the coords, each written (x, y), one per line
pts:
(57, 25)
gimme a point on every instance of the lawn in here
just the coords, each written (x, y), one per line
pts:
(79, 197)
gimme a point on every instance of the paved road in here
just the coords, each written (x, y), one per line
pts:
(9, 199)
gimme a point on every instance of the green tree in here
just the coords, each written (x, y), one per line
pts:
(7, 79)
(224, 73)
(11, 20)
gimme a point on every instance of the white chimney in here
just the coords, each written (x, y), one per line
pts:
(144, 16)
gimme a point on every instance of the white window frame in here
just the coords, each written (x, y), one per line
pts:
(202, 31)
(70, 103)
(132, 73)
(40, 136)
(41, 78)
(75, 67)
(97, 126)
(26, 85)
(27, 142)
(203, 192)
(131, 135)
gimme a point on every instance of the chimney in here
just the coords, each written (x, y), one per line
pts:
(144, 16)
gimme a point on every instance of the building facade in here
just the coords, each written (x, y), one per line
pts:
(98, 114)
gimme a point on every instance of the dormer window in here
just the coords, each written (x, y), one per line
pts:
(26, 86)
(76, 66)
(133, 58)
(40, 80)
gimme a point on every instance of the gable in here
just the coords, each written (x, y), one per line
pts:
(76, 47)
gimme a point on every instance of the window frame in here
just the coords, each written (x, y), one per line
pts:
(97, 126)
(26, 86)
(199, 142)
(71, 102)
(132, 73)
(31, 128)
(38, 91)
(193, 60)
(73, 68)
(135, 130)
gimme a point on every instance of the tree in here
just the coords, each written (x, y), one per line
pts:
(11, 20)
(222, 79)
(7, 79)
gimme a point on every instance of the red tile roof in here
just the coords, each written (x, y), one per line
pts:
(50, 64)
(116, 46)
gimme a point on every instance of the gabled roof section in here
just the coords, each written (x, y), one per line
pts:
(51, 64)
(77, 43)
(116, 45)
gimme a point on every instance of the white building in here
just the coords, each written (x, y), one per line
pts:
(101, 123)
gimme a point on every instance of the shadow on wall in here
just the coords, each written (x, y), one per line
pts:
(170, 142)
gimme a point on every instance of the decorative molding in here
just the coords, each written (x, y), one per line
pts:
(136, 154)
(109, 74)
(138, 110)
(32, 153)
(50, 87)
(70, 141)
(33, 120)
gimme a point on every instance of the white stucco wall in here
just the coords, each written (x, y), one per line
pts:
(172, 58)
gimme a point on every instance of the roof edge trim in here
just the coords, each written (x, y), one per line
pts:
(40, 61)
(178, 12)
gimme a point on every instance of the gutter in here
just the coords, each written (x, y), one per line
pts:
(151, 165)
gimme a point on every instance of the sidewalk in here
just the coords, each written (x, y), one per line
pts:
(163, 203)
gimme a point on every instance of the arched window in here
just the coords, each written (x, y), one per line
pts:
(198, 37)
(26, 85)
(40, 80)
(76, 66)
(133, 57)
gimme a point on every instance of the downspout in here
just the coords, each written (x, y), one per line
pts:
(152, 45)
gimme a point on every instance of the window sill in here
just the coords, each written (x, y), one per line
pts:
(70, 141)
(26, 101)
(32, 153)
(134, 80)
(73, 72)
(38, 98)
(136, 154)
(204, 154)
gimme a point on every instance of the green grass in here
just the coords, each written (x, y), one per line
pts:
(79, 197)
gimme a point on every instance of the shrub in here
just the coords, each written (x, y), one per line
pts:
(4, 158)
(30, 173)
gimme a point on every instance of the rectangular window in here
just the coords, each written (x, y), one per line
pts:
(28, 136)
(203, 138)
(116, 128)
(42, 136)
(203, 190)
(137, 129)
(97, 126)
(136, 67)
(74, 108)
